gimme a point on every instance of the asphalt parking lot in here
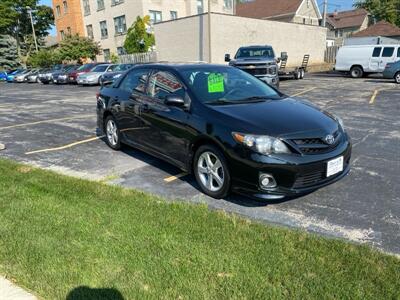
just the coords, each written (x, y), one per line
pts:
(54, 127)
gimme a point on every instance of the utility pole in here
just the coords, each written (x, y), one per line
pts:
(325, 12)
(209, 32)
(33, 27)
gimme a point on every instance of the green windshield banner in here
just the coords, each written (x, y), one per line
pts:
(216, 83)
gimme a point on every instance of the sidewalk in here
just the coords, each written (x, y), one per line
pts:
(9, 291)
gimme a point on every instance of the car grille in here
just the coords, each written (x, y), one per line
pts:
(258, 70)
(309, 179)
(315, 145)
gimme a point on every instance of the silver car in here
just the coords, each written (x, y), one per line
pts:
(93, 77)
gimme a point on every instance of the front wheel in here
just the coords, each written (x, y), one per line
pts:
(211, 172)
(113, 135)
(356, 72)
(397, 78)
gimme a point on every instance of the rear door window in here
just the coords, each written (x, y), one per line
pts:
(388, 52)
(398, 52)
(135, 81)
(377, 52)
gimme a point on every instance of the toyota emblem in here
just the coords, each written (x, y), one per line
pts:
(329, 139)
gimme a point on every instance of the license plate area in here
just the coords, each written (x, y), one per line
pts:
(334, 166)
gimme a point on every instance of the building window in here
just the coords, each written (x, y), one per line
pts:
(107, 54)
(62, 34)
(304, 20)
(121, 51)
(103, 30)
(89, 30)
(69, 30)
(58, 11)
(65, 4)
(116, 2)
(228, 4)
(200, 6)
(100, 4)
(86, 7)
(120, 25)
(155, 16)
(174, 15)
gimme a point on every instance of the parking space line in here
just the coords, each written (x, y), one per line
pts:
(373, 98)
(46, 121)
(66, 146)
(303, 92)
(173, 178)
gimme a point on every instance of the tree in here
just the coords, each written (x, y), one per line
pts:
(388, 10)
(44, 58)
(15, 21)
(77, 48)
(138, 38)
(8, 52)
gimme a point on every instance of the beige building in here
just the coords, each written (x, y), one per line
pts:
(291, 11)
(107, 21)
(191, 38)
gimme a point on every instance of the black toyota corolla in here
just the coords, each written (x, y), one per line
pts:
(231, 130)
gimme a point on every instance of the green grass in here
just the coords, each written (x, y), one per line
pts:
(59, 233)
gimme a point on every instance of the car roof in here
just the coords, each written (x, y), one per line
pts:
(255, 46)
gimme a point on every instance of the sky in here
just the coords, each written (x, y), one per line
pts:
(332, 5)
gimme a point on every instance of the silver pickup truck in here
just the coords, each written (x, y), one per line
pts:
(259, 61)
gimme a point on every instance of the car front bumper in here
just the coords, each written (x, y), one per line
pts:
(295, 175)
(271, 80)
(86, 81)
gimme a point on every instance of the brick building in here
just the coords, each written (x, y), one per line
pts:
(68, 18)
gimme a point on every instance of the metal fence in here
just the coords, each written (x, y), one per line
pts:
(330, 54)
(138, 58)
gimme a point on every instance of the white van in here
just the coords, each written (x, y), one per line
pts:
(362, 60)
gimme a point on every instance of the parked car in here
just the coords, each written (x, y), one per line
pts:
(361, 60)
(72, 75)
(93, 76)
(20, 77)
(61, 77)
(45, 76)
(10, 76)
(230, 129)
(392, 71)
(33, 77)
(3, 75)
(259, 61)
(114, 72)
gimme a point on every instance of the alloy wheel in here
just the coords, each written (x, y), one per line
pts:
(397, 77)
(210, 171)
(112, 132)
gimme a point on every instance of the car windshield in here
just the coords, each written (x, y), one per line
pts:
(227, 85)
(265, 52)
(85, 67)
(100, 68)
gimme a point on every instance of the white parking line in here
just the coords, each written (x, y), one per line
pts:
(303, 92)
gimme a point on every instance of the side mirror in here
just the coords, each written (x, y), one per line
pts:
(174, 100)
(284, 56)
(227, 57)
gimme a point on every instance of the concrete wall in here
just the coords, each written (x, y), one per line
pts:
(186, 39)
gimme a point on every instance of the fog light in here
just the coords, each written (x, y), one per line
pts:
(267, 181)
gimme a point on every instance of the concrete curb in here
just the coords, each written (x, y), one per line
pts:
(9, 291)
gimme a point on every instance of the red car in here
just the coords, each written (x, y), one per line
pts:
(72, 76)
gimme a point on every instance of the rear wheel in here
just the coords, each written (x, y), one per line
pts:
(397, 77)
(211, 172)
(302, 73)
(297, 74)
(113, 135)
(356, 72)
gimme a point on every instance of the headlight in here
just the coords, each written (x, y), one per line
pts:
(63, 76)
(117, 76)
(340, 121)
(261, 143)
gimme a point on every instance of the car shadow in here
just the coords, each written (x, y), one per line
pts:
(87, 293)
(234, 198)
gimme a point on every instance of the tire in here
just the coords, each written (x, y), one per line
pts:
(297, 74)
(302, 74)
(356, 72)
(211, 172)
(112, 133)
(397, 78)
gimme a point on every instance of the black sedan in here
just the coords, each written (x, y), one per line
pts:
(234, 132)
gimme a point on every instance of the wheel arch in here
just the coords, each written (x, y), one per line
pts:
(360, 66)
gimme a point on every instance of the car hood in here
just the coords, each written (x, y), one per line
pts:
(279, 118)
(91, 74)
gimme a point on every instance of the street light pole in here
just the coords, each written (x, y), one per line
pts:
(209, 32)
(324, 14)
(33, 27)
